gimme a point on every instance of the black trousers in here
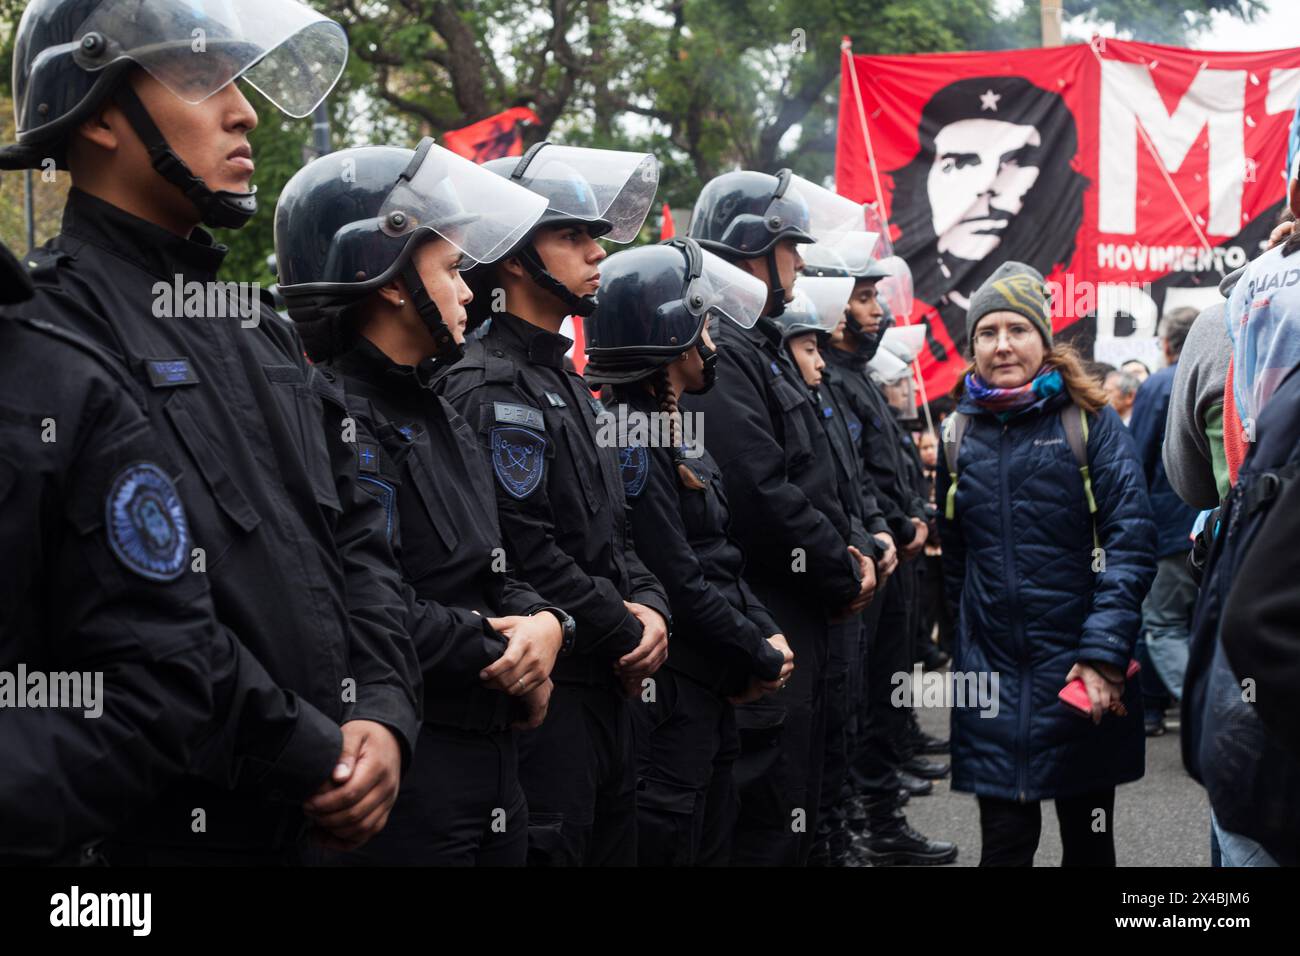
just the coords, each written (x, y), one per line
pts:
(1009, 830)
(880, 746)
(934, 606)
(843, 658)
(782, 745)
(578, 772)
(686, 802)
(460, 805)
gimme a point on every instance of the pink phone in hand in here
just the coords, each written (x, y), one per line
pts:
(1075, 695)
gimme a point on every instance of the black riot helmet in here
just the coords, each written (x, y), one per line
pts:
(654, 303)
(817, 306)
(71, 56)
(349, 223)
(607, 191)
(744, 214)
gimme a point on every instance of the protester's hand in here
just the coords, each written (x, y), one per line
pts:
(531, 648)
(648, 656)
(866, 586)
(353, 805)
(1281, 233)
(1105, 686)
(917, 544)
(536, 702)
(889, 561)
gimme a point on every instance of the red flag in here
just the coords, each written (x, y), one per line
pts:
(492, 138)
(667, 230)
(1132, 176)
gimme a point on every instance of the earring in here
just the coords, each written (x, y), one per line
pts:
(401, 302)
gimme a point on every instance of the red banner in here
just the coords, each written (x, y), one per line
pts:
(1133, 176)
(492, 138)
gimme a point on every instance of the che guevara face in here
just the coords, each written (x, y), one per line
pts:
(982, 170)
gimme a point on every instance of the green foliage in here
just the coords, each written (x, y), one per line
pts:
(706, 85)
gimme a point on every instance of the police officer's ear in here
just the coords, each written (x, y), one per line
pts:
(104, 129)
(512, 266)
(393, 294)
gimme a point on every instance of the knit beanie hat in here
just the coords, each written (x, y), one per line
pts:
(1015, 287)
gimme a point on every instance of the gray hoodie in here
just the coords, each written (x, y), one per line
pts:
(1194, 457)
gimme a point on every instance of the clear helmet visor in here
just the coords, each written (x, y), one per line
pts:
(290, 53)
(596, 184)
(816, 211)
(480, 213)
(722, 289)
(850, 253)
(896, 288)
(818, 302)
(888, 367)
(875, 222)
(903, 341)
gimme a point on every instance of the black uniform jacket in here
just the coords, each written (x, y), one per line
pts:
(680, 520)
(885, 446)
(760, 426)
(559, 493)
(96, 599)
(294, 550)
(442, 519)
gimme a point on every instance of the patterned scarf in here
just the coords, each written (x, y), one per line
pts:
(1006, 401)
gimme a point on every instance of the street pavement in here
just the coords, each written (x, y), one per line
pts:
(1161, 820)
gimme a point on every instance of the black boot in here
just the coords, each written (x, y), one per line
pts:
(913, 785)
(921, 767)
(892, 842)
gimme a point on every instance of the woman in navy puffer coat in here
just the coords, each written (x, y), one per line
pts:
(1039, 603)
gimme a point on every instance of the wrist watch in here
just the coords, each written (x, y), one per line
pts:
(568, 628)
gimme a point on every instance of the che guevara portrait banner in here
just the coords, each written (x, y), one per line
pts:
(1133, 176)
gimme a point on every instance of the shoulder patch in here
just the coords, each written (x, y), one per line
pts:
(386, 494)
(508, 414)
(519, 460)
(855, 430)
(635, 464)
(146, 523)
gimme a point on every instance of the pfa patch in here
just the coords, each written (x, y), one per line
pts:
(519, 460)
(635, 463)
(146, 523)
(855, 430)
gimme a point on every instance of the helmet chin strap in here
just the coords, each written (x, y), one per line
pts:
(220, 209)
(774, 281)
(445, 347)
(582, 305)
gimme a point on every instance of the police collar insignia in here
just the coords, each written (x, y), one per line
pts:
(146, 523)
(368, 456)
(635, 464)
(519, 460)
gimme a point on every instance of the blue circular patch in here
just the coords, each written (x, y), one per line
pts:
(146, 524)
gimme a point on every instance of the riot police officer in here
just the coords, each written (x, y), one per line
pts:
(648, 340)
(786, 510)
(560, 496)
(139, 102)
(882, 748)
(369, 244)
(806, 324)
(92, 587)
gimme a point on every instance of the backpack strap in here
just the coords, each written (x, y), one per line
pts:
(1076, 435)
(954, 427)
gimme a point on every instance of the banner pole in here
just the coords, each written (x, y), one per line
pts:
(846, 48)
